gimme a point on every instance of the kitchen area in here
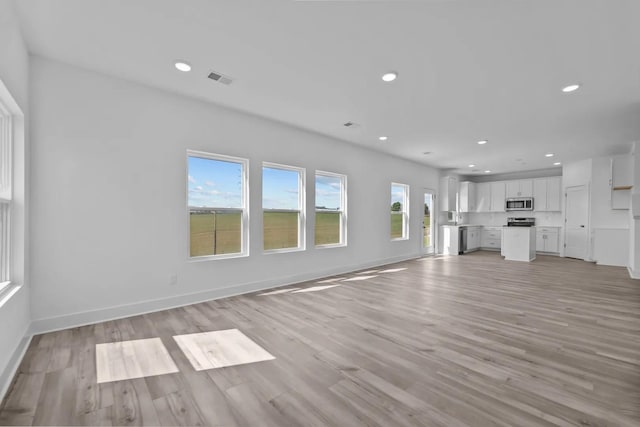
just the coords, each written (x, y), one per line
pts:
(519, 218)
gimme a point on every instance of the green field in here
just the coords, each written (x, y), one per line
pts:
(427, 231)
(214, 234)
(221, 233)
(327, 228)
(280, 230)
(396, 225)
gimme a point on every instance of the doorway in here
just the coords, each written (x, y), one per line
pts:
(428, 223)
(576, 222)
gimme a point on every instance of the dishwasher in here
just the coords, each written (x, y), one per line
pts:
(462, 240)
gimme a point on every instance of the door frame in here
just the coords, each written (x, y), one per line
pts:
(433, 222)
(588, 225)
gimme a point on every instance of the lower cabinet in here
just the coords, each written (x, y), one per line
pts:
(491, 238)
(547, 239)
(473, 238)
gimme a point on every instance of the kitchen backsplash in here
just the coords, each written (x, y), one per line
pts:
(549, 219)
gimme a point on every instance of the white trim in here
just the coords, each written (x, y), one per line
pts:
(302, 219)
(11, 368)
(7, 292)
(73, 320)
(244, 229)
(634, 274)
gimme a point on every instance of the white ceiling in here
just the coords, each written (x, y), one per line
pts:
(468, 69)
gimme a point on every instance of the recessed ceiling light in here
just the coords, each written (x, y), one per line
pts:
(183, 66)
(557, 164)
(549, 155)
(390, 76)
(487, 171)
(571, 88)
(484, 141)
(472, 165)
(383, 138)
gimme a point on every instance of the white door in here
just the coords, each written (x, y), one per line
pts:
(428, 223)
(576, 222)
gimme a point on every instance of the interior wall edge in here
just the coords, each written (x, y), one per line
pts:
(634, 274)
(11, 368)
(56, 323)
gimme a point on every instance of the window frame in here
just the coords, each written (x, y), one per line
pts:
(343, 210)
(6, 196)
(302, 179)
(404, 212)
(244, 228)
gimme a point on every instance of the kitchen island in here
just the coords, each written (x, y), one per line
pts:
(519, 243)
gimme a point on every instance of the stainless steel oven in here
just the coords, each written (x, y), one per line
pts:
(519, 204)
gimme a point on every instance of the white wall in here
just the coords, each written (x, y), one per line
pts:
(14, 313)
(108, 215)
(604, 223)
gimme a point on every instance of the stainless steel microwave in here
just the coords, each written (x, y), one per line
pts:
(519, 204)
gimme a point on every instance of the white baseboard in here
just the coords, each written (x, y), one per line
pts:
(7, 375)
(73, 320)
(633, 274)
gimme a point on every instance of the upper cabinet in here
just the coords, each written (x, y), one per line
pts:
(483, 197)
(498, 196)
(621, 181)
(554, 194)
(467, 197)
(546, 194)
(519, 188)
(448, 194)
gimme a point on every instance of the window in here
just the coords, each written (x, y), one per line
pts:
(6, 171)
(283, 207)
(331, 217)
(399, 211)
(217, 200)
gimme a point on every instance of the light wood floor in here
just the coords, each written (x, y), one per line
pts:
(471, 340)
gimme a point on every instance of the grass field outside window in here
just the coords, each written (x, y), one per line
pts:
(283, 204)
(218, 215)
(331, 218)
(399, 211)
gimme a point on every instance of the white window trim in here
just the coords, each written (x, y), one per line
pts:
(404, 212)
(244, 239)
(302, 179)
(6, 193)
(343, 210)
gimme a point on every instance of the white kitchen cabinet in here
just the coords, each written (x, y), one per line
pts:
(621, 181)
(473, 238)
(519, 243)
(483, 197)
(467, 197)
(519, 188)
(540, 194)
(449, 194)
(547, 239)
(498, 196)
(491, 237)
(449, 239)
(546, 194)
(554, 192)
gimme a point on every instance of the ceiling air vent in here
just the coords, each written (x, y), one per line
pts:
(220, 78)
